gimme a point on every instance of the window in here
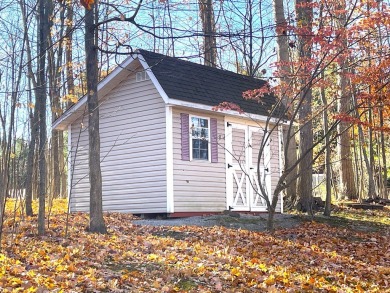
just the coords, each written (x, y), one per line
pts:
(200, 137)
(141, 76)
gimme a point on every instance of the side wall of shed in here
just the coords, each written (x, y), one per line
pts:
(198, 185)
(133, 151)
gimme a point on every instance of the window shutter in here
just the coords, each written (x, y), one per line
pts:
(214, 140)
(185, 137)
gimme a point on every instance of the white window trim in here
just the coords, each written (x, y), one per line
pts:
(141, 76)
(208, 139)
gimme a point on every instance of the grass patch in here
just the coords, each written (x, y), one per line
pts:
(133, 266)
(186, 284)
(177, 235)
(358, 220)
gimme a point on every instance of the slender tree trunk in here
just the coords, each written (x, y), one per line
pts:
(96, 223)
(370, 163)
(69, 54)
(328, 175)
(383, 151)
(41, 104)
(70, 87)
(34, 128)
(62, 163)
(54, 72)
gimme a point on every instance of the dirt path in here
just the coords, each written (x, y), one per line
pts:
(234, 221)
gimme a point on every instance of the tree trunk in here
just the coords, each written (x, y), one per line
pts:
(30, 161)
(61, 159)
(69, 54)
(96, 223)
(208, 25)
(289, 143)
(383, 151)
(34, 127)
(346, 171)
(305, 191)
(41, 104)
(270, 221)
(328, 175)
(371, 162)
(54, 73)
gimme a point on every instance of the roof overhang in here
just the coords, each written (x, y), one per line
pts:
(121, 72)
(254, 117)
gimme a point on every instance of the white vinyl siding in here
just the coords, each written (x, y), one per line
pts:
(133, 154)
(199, 185)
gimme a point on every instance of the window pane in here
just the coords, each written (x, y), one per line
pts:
(195, 154)
(204, 144)
(195, 143)
(204, 154)
(195, 122)
(204, 133)
(195, 132)
(204, 123)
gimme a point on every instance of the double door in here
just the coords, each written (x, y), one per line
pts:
(243, 143)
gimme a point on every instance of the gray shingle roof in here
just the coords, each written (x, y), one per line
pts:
(191, 82)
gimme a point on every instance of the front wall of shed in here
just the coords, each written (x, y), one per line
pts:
(133, 151)
(198, 186)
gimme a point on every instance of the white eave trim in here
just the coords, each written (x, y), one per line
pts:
(80, 103)
(59, 123)
(255, 117)
(153, 79)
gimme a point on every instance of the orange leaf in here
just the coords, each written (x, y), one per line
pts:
(87, 3)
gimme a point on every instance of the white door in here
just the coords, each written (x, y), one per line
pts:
(243, 185)
(255, 140)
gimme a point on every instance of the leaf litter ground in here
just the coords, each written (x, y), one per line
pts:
(311, 256)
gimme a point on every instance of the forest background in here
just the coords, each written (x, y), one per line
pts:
(331, 57)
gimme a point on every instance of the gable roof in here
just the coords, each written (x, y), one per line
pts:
(196, 83)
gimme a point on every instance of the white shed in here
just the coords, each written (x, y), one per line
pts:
(163, 147)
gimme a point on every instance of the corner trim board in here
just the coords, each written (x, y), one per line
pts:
(69, 164)
(169, 158)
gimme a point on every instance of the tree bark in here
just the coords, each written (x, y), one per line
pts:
(30, 160)
(34, 127)
(346, 171)
(328, 175)
(69, 53)
(54, 72)
(208, 25)
(41, 104)
(305, 191)
(383, 151)
(96, 223)
(289, 143)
